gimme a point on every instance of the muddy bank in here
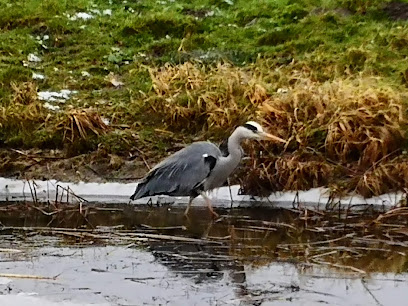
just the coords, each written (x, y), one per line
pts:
(55, 164)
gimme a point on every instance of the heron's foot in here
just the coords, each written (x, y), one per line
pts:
(187, 219)
(188, 207)
(213, 213)
(187, 210)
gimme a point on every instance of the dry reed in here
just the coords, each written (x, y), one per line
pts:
(190, 95)
(352, 130)
(25, 109)
(78, 123)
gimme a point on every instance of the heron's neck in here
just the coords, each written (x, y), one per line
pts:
(234, 150)
(234, 144)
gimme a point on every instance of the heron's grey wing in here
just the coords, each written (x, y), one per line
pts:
(181, 173)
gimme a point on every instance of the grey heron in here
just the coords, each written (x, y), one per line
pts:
(199, 167)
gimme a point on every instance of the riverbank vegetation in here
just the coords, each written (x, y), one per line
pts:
(124, 83)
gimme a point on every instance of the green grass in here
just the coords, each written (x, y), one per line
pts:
(332, 38)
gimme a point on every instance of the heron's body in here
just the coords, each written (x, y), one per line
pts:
(198, 168)
(181, 174)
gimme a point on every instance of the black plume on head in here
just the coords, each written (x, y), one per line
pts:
(250, 127)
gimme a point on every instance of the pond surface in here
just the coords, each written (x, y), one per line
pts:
(129, 255)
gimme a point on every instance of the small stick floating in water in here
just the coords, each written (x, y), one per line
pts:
(27, 276)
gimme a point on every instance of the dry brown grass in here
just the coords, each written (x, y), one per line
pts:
(24, 93)
(25, 109)
(294, 171)
(30, 123)
(366, 128)
(353, 127)
(190, 94)
(79, 123)
(382, 177)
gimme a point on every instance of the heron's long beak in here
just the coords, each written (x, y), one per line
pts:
(268, 136)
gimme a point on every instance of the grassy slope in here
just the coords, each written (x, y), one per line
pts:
(267, 41)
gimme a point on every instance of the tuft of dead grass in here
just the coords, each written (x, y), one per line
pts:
(26, 116)
(366, 128)
(296, 171)
(79, 123)
(24, 93)
(24, 110)
(382, 178)
(216, 96)
(353, 127)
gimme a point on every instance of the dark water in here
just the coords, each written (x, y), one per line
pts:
(127, 255)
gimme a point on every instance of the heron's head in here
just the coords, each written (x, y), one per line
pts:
(253, 130)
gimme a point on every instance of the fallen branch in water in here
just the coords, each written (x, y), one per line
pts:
(44, 229)
(120, 235)
(169, 238)
(262, 228)
(160, 228)
(69, 192)
(316, 242)
(10, 251)
(26, 276)
(339, 266)
(44, 212)
(375, 241)
(323, 254)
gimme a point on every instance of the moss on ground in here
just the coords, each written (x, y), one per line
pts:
(164, 72)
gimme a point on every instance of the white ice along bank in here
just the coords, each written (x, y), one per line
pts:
(119, 193)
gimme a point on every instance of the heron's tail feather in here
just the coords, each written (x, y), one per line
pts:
(140, 192)
(152, 188)
(159, 182)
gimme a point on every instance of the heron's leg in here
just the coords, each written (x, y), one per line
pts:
(188, 206)
(208, 201)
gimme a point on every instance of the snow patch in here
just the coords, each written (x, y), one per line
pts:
(81, 15)
(95, 11)
(41, 41)
(38, 76)
(33, 58)
(51, 107)
(55, 96)
(5, 280)
(107, 12)
(282, 90)
(87, 16)
(106, 121)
